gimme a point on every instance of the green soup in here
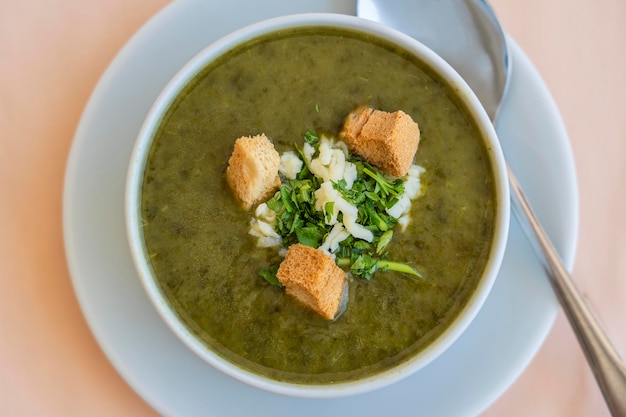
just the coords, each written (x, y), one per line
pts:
(197, 235)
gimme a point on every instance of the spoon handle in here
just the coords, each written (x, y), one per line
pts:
(606, 363)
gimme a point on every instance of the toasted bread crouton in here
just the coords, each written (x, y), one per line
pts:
(252, 171)
(386, 140)
(312, 277)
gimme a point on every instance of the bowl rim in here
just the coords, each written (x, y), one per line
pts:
(134, 182)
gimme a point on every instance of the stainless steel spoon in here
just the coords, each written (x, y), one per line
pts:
(468, 35)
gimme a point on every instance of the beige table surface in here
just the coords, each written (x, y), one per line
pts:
(52, 53)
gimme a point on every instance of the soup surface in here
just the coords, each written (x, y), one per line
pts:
(197, 235)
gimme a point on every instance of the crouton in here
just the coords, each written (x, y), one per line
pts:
(388, 141)
(312, 277)
(252, 171)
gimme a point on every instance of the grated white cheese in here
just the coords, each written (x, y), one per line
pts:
(308, 151)
(402, 206)
(263, 212)
(337, 235)
(331, 166)
(290, 165)
(412, 190)
(327, 194)
(357, 230)
(263, 225)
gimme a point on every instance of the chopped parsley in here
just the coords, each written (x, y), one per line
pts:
(372, 193)
(269, 274)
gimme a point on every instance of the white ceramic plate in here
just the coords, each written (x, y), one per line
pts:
(468, 377)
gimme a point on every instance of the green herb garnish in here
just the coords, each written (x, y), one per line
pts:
(311, 138)
(298, 221)
(269, 274)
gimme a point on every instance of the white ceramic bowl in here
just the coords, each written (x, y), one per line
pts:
(135, 182)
